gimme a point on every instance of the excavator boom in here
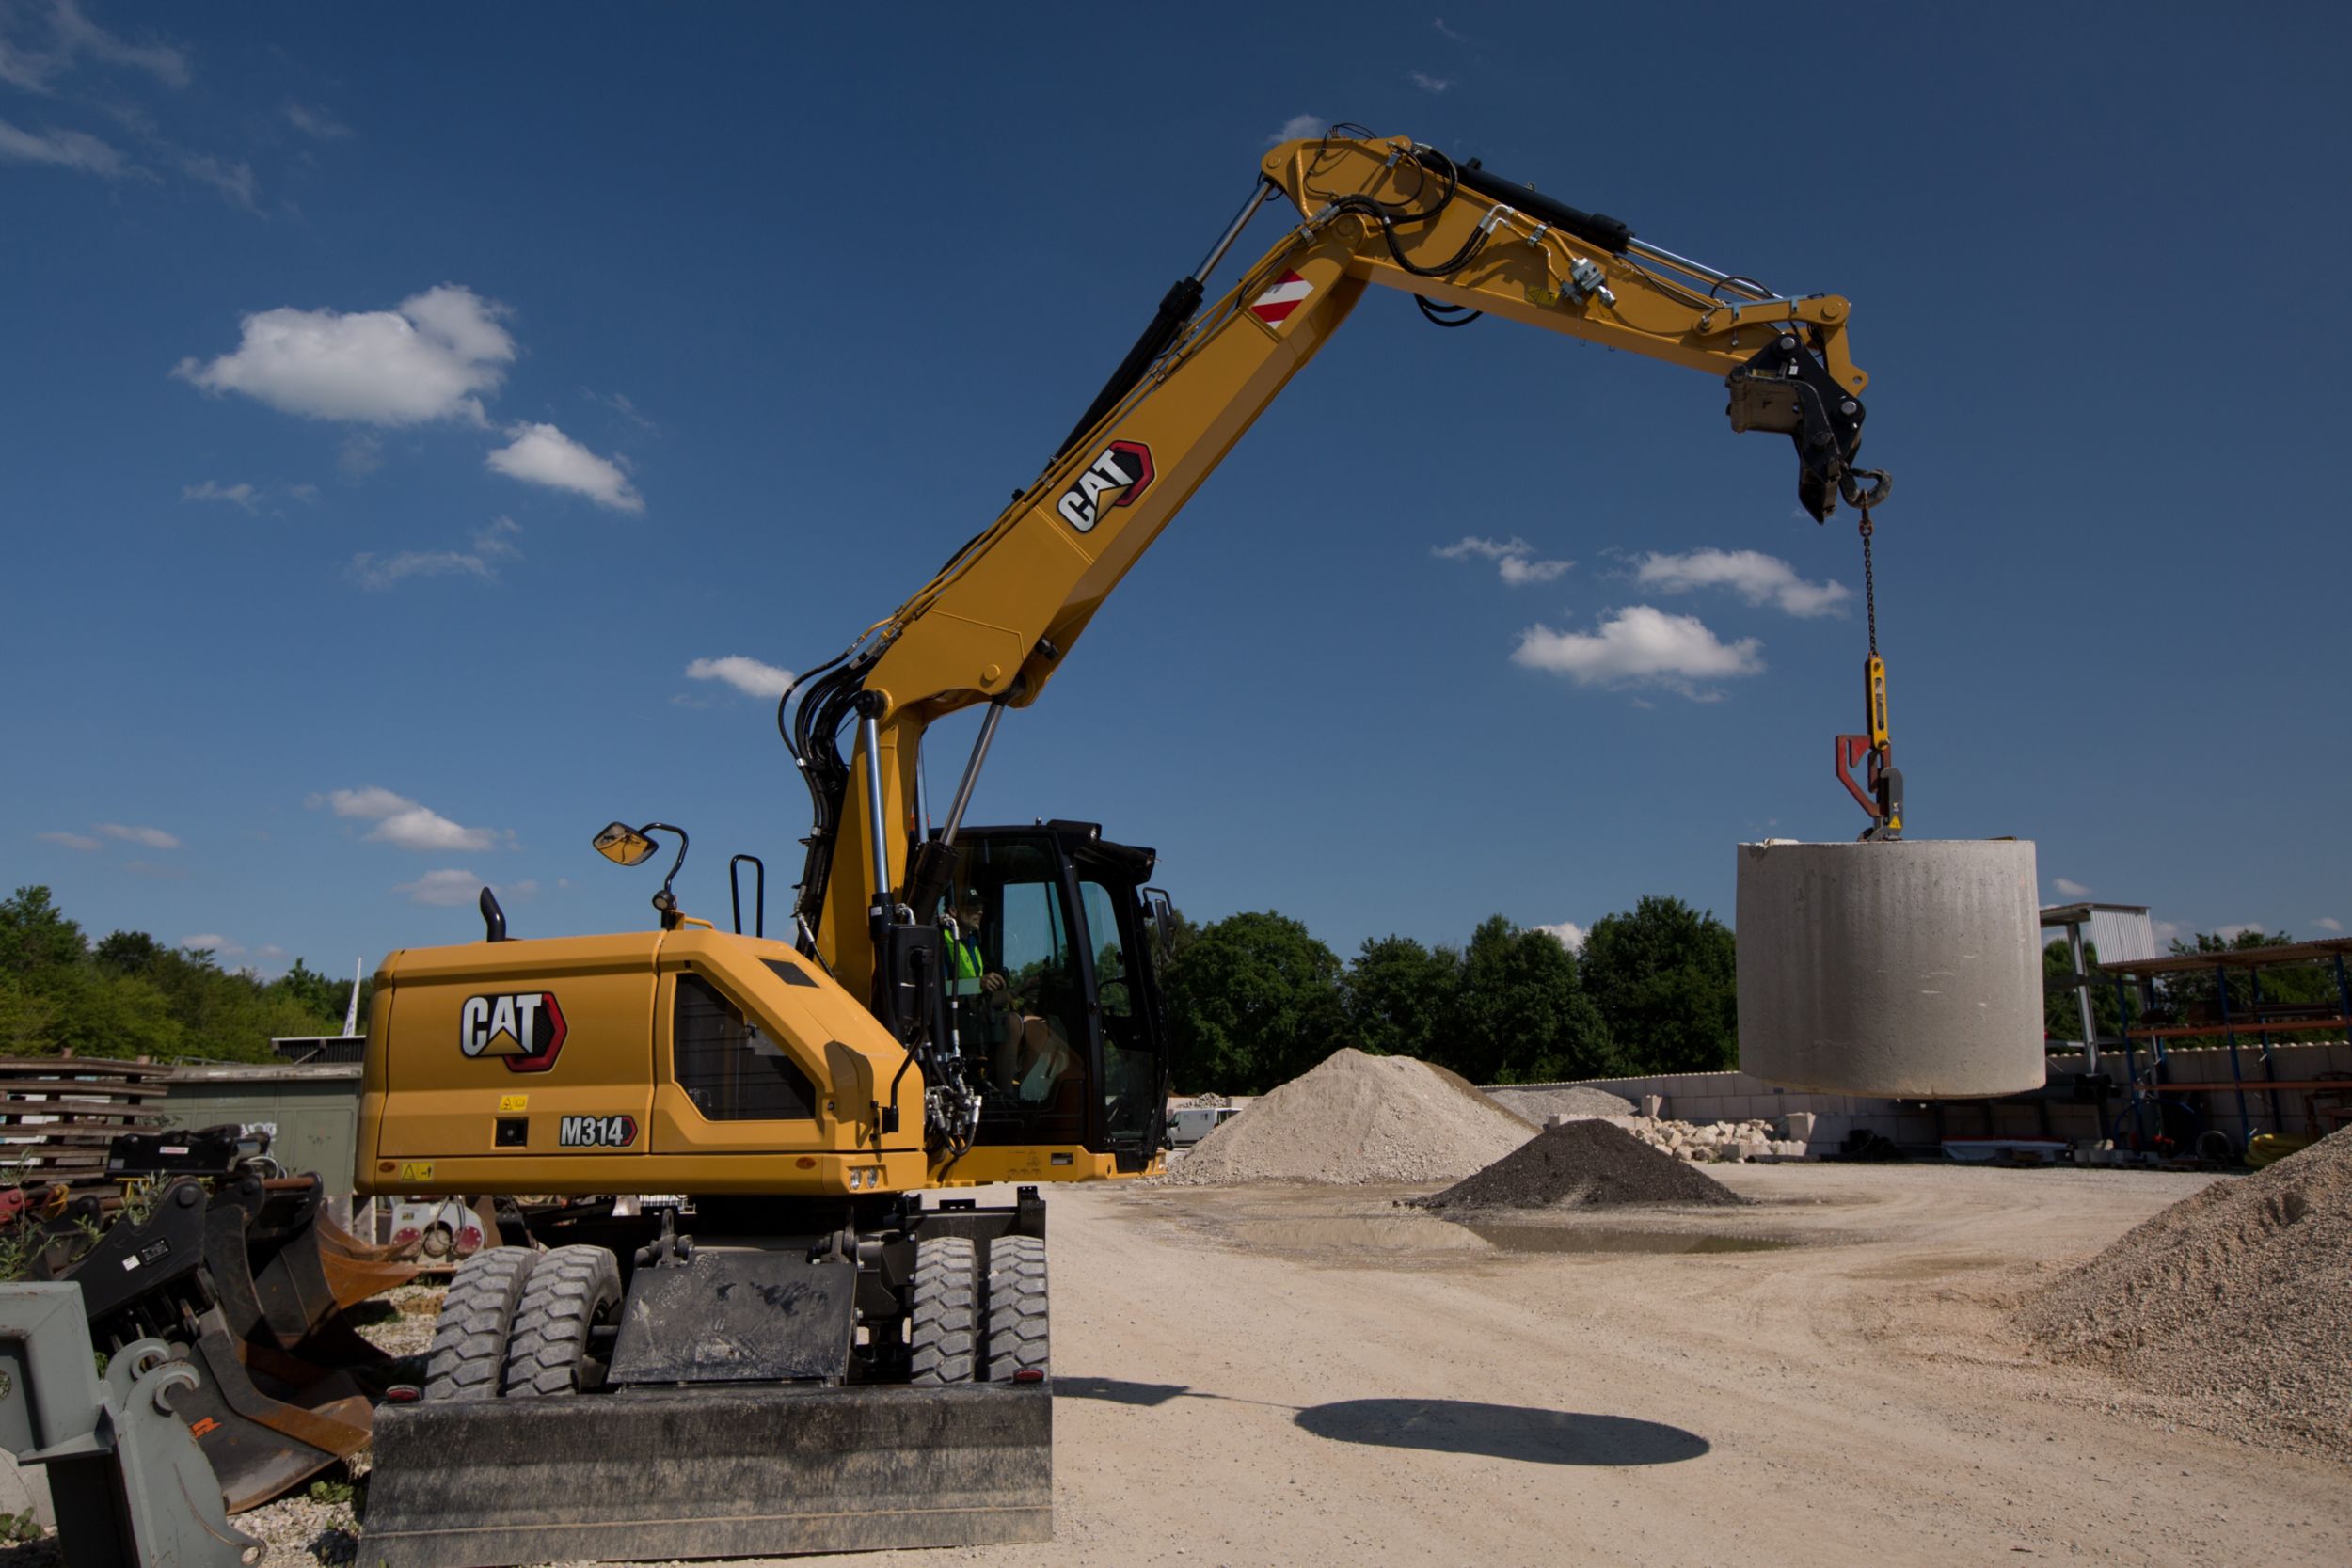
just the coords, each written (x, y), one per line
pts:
(994, 624)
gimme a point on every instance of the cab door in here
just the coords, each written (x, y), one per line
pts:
(1130, 1042)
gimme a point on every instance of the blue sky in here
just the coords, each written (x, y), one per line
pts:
(401, 404)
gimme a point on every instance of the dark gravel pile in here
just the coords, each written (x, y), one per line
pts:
(1591, 1164)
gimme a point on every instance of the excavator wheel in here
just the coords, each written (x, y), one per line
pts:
(942, 1317)
(477, 1317)
(572, 1292)
(1017, 1318)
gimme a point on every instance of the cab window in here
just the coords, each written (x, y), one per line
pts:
(727, 1066)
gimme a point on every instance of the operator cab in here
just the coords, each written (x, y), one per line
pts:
(1053, 1002)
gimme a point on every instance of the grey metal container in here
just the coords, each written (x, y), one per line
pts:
(1909, 969)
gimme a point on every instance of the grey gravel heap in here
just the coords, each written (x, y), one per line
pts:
(2238, 1298)
(1590, 1163)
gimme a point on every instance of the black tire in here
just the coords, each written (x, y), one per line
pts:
(469, 1356)
(574, 1291)
(1018, 1321)
(943, 1313)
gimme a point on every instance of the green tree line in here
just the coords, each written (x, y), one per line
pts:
(1254, 1000)
(129, 995)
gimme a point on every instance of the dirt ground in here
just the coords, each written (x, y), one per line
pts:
(1304, 1376)
(1308, 1376)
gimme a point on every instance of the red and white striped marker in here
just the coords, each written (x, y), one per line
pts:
(1275, 306)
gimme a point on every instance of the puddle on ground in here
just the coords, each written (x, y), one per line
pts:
(1390, 1235)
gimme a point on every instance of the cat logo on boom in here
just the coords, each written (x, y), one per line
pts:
(1122, 473)
(524, 1029)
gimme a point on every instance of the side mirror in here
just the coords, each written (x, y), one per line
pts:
(624, 844)
(1162, 921)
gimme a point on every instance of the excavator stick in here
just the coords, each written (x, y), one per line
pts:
(713, 1471)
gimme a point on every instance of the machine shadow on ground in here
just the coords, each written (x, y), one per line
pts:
(1518, 1432)
(1503, 1431)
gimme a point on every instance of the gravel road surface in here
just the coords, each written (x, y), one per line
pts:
(1297, 1376)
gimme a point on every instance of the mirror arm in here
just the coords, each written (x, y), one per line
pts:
(666, 901)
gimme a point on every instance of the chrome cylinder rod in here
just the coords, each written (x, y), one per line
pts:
(971, 772)
(1696, 269)
(922, 798)
(1258, 194)
(869, 731)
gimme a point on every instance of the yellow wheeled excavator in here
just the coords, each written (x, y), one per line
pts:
(737, 1311)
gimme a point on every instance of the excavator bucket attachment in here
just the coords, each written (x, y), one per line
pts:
(713, 1471)
(266, 1420)
(247, 1283)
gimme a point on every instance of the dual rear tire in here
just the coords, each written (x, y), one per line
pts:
(523, 1324)
(964, 1327)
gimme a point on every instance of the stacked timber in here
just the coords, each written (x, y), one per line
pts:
(57, 1115)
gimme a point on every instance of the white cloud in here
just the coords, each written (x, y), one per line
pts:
(359, 455)
(1753, 576)
(620, 404)
(1641, 645)
(747, 675)
(152, 838)
(212, 943)
(1431, 84)
(1298, 128)
(1572, 935)
(2068, 888)
(241, 494)
(2167, 931)
(1513, 558)
(233, 181)
(492, 545)
(2231, 933)
(247, 495)
(2330, 925)
(72, 150)
(431, 360)
(403, 823)
(542, 455)
(315, 124)
(1439, 23)
(71, 841)
(77, 35)
(444, 888)
(74, 37)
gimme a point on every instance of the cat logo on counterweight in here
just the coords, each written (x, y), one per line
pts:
(524, 1029)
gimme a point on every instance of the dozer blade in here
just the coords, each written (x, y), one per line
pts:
(715, 1471)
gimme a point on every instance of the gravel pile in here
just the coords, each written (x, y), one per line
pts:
(1357, 1118)
(1541, 1105)
(1590, 1164)
(2238, 1297)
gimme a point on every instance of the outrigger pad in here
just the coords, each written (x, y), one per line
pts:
(715, 1471)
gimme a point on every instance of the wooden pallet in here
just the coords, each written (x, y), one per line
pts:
(57, 1115)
